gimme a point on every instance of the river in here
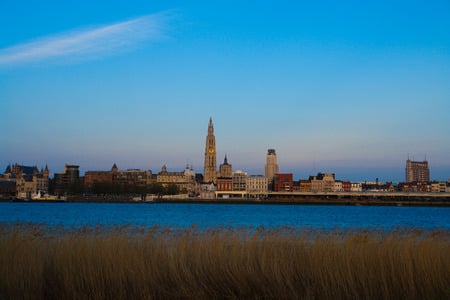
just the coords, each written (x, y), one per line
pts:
(225, 215)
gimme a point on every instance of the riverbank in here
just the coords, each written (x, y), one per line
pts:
(354, 202)
(417, 201)
(162, 263)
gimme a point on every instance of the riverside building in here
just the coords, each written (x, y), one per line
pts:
(257, 185)
(184, 180)
(225, 169)
(239, 179)
(224, 178)
(271, 167)
(66, 179)
(130, 177)
(417, 171)
(28, 180)
(283, 182)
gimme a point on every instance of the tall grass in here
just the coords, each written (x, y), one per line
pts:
(37, 262)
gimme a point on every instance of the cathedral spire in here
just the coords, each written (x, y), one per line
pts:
(210, 167)
(210, 127)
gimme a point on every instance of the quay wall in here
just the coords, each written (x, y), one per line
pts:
(307, 198)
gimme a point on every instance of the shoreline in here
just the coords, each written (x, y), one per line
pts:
(271, 201)
(309, 202)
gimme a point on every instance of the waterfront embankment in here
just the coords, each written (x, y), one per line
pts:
(315, 201)
(305, 198)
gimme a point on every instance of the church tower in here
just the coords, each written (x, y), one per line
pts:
(46, 172)
(210, 169)
(225, 169)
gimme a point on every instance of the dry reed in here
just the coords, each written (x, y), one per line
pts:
(38, 262)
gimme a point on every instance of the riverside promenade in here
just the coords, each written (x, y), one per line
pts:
(327, 198)
(299, 198)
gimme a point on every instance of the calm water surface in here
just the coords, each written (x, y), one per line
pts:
(228, 215)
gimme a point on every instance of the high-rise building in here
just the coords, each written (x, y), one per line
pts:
(271, 165)
(63, 181)
(417, 171)
(210, 167)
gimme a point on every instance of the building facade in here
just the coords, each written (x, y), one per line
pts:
(417, 171)
(92, 178)
(323, 183)
(184, 180)
(346, 186)
(116, 177)
(271, 167)
(29, 181)
(210, 166)
(7, 188)
(239, 179)
(64, 180)
(257, 185)
(225, 169)
(132, 177)
(338, 186)
(224, 184)
(356, 187)
(305, 186)
(283, 182)
(438, 187)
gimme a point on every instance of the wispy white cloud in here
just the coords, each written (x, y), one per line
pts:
(89, 43)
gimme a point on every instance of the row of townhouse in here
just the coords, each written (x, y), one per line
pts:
(282, 182)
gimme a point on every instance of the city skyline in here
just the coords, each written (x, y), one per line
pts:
(211, 170)
(350, 88)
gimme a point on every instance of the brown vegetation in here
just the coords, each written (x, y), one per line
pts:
(38, 262)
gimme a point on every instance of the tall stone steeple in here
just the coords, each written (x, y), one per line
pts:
(210, 168)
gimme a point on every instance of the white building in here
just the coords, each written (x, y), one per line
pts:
(323, 182)
(257, 185)
(438, 187)
(338, 186)
(356, 187)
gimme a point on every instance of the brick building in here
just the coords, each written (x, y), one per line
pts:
(283, 182)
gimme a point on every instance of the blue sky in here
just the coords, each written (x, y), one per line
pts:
(350, 87)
